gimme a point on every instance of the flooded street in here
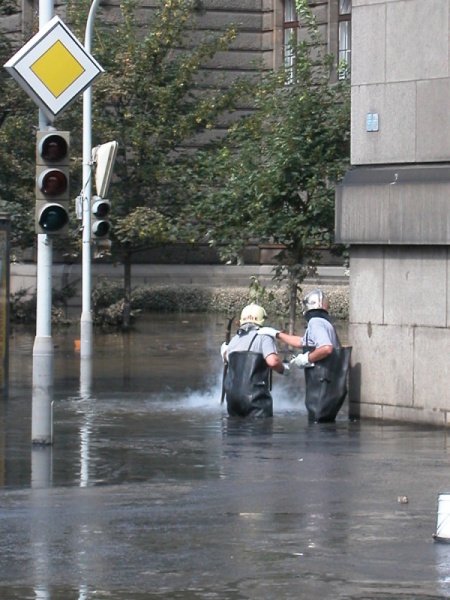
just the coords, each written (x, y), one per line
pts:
(151, 492)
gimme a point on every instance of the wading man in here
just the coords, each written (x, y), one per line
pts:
(325, 362)
(250, 358)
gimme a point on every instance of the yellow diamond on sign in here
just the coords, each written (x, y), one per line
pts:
(57, 68)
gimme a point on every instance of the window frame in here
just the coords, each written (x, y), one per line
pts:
(344, 19)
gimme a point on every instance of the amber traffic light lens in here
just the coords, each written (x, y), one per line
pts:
(53, 182)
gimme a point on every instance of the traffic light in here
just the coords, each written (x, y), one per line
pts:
(52, 182)
(100, 225)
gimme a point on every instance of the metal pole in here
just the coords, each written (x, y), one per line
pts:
(42, 392)
(86, 325)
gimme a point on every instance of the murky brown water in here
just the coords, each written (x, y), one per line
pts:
(150, 491)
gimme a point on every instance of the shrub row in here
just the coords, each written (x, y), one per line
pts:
(190, 298)
(108, 300)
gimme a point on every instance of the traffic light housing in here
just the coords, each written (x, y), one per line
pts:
(100, 226)
(52, 182)
(104, 157)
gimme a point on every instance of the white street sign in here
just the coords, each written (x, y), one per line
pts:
(53, 67)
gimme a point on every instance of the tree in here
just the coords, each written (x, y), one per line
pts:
(17, 155)
(152, 99)
(273, 178)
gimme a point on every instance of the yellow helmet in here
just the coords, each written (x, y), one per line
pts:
(253, 313)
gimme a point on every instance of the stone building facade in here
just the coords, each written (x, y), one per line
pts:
(263, 25)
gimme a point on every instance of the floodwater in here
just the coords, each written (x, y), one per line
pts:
(150, 491)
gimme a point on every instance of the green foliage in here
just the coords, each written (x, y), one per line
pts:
(142, 226)
(258, 293)
(273, 179)
(22, 306)
(8, 7)
(152, 99)
(17, 155)
(108, 301)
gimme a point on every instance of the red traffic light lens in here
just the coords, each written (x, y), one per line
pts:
(53, 148)
(53, 218)
(53, 182)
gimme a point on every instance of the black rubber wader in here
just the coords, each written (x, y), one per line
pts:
(247, 385)
(326, 385)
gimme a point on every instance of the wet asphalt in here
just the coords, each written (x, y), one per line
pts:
(151, 491)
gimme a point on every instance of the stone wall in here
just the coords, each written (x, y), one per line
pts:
(393, 210)
(399, 330)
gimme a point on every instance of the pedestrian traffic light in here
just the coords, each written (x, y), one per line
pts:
(100, 226)
(52, 182)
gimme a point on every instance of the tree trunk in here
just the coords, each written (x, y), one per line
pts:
(293, 289)
(126, 315)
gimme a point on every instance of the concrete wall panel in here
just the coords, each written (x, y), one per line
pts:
(415, 286)
(431, 382)
(447, 324)
(433, 120)
(416, 40)
(404, 414)
(418, 213)
(362, 217)
(368, 33)
(395, 142)
(403, 205)
(366, 290)
(382, 360)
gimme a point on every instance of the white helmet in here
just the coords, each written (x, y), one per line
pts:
(253, 313)
(315, 300)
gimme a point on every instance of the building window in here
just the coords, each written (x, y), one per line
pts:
(339, 34)
(290, 29)
(344, 37)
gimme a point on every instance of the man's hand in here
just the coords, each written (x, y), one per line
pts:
(270, 331)
(302, 361)
(223, 351)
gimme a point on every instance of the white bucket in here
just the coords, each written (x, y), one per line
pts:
(443, 518)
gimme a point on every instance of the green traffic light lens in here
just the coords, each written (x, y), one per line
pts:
(53, 218)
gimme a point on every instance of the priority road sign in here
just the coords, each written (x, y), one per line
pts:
(53, 68)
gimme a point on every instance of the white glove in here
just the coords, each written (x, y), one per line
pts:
(302, 361)
(287, 369)
(268, 331)
(223, 350)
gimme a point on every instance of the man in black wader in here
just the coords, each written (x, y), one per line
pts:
(324, 360)
(251, 358)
